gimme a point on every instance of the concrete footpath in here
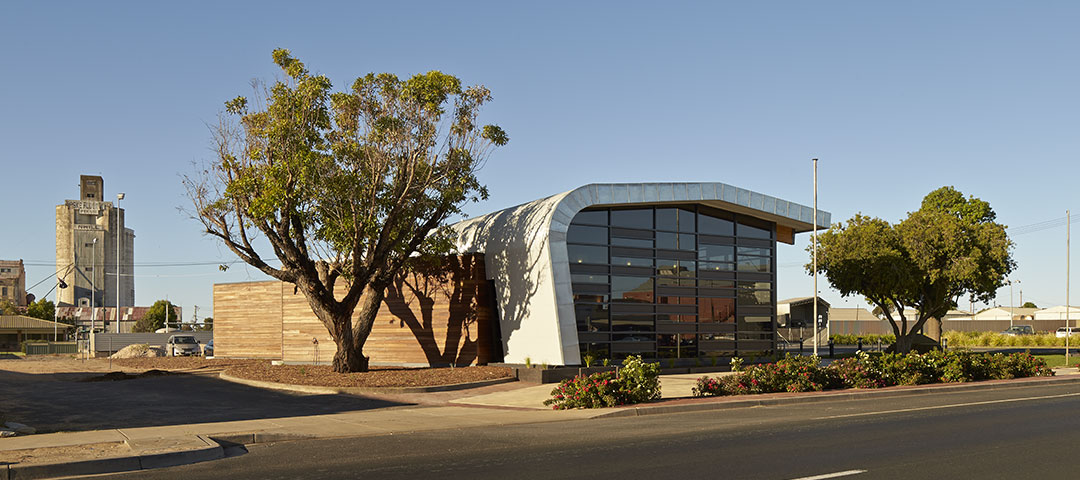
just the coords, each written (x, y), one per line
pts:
(130, 449)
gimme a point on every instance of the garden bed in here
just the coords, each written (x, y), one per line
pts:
(805, 374)
(324, 376)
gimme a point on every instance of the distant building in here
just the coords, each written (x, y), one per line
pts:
(86, 235)
(13, 282)
(102, 318)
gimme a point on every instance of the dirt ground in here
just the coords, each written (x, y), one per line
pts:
(322, 375)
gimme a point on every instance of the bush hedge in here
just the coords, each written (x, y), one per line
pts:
(869, 339)
(635, 382)
(796, 373)
(995, 339)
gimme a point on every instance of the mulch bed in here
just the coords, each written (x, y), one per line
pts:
(323, 375)
(179, 363)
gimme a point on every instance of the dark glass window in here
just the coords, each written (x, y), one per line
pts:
(672, 282)
(750, 228)
(686, 220)
(640, 218)
(586, 278)
(754, 264)
(632, 261)
(633, 289)
(632, 242)
(716, 253)
(587, 254)
(667, 219)
(587, 234)
(591, 218)
(712, 225)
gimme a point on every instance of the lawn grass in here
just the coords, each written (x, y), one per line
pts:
(20, 354)
(1054, 361)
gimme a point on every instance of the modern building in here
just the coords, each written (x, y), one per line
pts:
(87, 232)
(679, 271)
(13, 282)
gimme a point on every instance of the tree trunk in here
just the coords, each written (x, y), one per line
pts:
(349, 356)
(903, 343)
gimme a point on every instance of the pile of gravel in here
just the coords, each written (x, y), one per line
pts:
(139, 350)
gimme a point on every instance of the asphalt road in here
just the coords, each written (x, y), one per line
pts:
(1010, 433)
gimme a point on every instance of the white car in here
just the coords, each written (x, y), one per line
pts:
(1067, 332)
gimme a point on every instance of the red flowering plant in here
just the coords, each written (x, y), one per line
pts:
(636, 381)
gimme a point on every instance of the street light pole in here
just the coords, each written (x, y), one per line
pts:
(119, 229)
(814, 243)
(93, 286)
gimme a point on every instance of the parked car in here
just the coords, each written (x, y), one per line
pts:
(208, 349)
(1067, 332)
(182, 345)
(1019, 330)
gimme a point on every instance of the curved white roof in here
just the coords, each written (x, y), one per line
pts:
(525, 254)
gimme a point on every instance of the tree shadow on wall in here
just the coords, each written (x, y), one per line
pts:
(456, 281)
(511, 242)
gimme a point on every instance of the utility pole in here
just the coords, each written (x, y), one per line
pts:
(813, 240)
(93, 287)
(1068, 308)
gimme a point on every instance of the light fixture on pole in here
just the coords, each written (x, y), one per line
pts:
(119, 229)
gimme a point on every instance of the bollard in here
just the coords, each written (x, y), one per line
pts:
(800, 346)
(831, 348)
(859, 344)
(944, 344)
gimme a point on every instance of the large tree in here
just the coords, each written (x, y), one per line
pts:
(42, 309)
(343, 187)
(949, 249)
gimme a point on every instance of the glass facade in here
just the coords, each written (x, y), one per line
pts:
(673, 282)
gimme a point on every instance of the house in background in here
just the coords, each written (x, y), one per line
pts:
(15, 329)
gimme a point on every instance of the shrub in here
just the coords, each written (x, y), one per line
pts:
(636, 382)
(801, 374)
(867, 340)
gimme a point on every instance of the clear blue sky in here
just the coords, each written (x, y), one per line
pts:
(895, 98)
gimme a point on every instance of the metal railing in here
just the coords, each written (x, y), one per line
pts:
(49, 348)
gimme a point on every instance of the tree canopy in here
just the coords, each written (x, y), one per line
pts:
(343, 187)
(951, 248)
(41, 309)
(156, 316)
(1029, 305)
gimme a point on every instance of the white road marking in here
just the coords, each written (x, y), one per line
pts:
(955, 405)
(832, 475)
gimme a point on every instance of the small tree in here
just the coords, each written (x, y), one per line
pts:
(950, 248)
(41, 309)
(8, 308)
(207, 324)
(1029, 305)
(156, 316)
(343, 187)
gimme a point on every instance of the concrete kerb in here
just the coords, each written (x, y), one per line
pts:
(202, 449)
(361, 390)
(816, 397)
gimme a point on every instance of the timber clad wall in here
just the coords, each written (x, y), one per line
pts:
(424, 320)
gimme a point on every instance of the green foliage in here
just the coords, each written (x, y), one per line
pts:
(950, 248)
(8, 308)
(1029, 305)
(867, 339)
(588, 359)
(155, 317)
(347, 185)
(736, 364)
(636, 382)
(41, 309)
(996, 339)
(801, 374)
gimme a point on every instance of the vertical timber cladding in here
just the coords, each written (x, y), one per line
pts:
(432, 319)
